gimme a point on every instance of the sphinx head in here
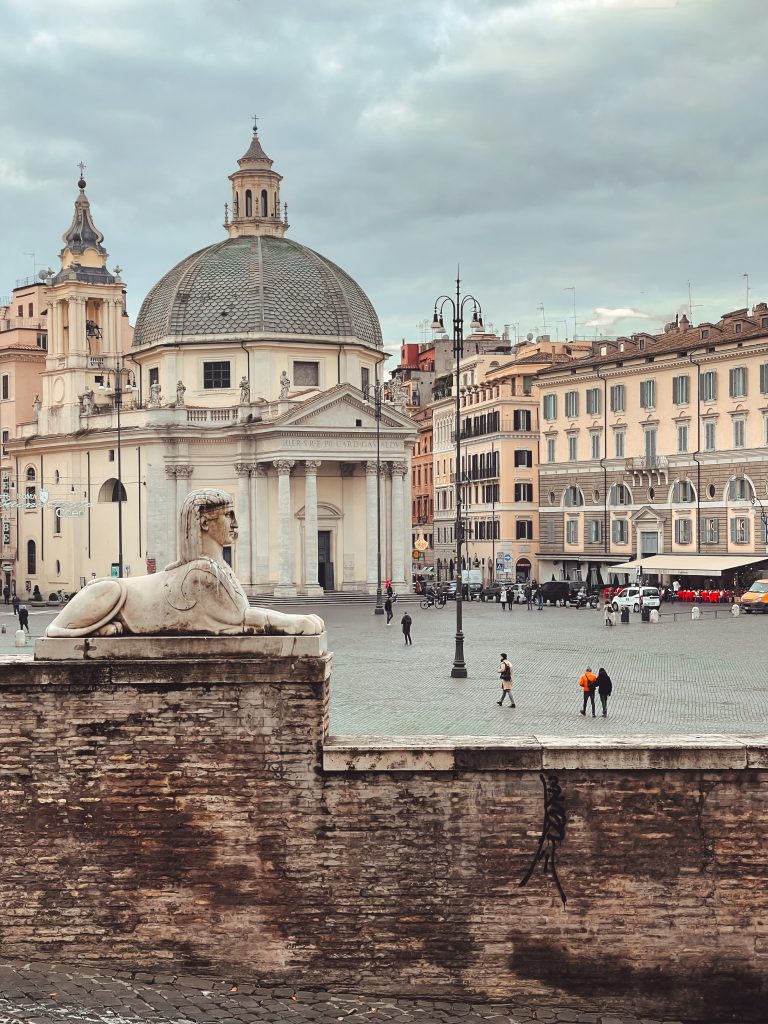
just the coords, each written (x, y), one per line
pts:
(207, 524)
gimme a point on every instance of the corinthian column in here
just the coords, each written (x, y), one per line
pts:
(243, 513)
(397, 518)
(311, 467)
(370, 526)
(183, 476)
(285, 584)
(167, 540)
(261, 525)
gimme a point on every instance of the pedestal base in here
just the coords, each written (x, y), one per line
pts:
(315, 590)
(286, 590)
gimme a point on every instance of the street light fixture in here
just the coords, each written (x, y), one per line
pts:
(130, 386)
(459, 670)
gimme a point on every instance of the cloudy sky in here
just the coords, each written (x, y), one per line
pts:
(614, 146)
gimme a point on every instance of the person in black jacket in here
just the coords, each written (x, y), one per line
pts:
(604, 689)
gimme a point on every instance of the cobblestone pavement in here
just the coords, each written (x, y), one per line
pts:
(54, 994)
(677, 677)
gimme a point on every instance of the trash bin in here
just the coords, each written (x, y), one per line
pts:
(645, 614)
(625, 615)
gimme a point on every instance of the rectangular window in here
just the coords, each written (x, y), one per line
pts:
(522, 419)
(6, 439)
(523, 492)
(6, 385)
(523, 458)
(595, 531)
(551, 448)
(683, 531)
(524, 529)
(571, 404)
(737, 382)
(595, 445)
(619, 531)
(740, 530)
(593, 401)
(739, 432)
(710, 435)
(572, 449)
(215, 375)
(617, 398)
(764, 378)
(618, 440)
(682, 438)
(572, 531)
(306, 374)
(711, 531)
(550, 407)
(649, 438)
(154, 375)
(42, 342)
(365, 379)
(681, 390)
(708, 386)
(111, 455)
(647, 394)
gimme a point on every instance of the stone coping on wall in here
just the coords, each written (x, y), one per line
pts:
(193, 648)
(713, 752)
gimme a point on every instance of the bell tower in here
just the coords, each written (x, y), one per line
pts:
(255, 207)
(85, 320)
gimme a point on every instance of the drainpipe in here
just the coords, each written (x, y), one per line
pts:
(696, 453)
(602, 463)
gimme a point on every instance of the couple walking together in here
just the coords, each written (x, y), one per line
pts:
(601, 683)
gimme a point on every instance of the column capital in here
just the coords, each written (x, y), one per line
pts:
(398, 468)
(283, 466)
(370, 468)
(170, 472)
(312, 465)
(183, 471)
(243, 469)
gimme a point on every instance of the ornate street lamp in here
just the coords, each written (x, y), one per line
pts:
(374, 391)
(459, 670)
(130, 386)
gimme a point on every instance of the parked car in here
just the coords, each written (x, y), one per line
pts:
(755, 599)
(637, 598)
(555, 592)
(491, 592)
(518, 593)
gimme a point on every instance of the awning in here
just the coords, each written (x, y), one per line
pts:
(688, 565)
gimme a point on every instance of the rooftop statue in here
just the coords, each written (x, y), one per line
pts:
(198, 594)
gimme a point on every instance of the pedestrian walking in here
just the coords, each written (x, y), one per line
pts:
(539, 597)
(7, 593)
(604, 689)
(15, 602)
(588, 682)
(608, 612)
(405, 622)
(389, 589)
(528, 596)
(503, 598)
(23, 617)
(510, 597)
(505, 675)
(388, 609)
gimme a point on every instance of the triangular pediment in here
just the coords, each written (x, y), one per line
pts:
(646, 514)
(341, 408)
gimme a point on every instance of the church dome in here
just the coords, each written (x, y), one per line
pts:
(252, 285)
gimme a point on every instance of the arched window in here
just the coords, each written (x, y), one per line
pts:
(683, 492)
(31, 558)
(30, 491)
(740, 489)
(112, 490)
(248, 203)
(573, 496)
(264, 202)
(619, 495)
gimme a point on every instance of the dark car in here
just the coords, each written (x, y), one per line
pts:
(555, 591)
(491, 592)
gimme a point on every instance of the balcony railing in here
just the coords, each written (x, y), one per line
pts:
(504, 426)
(29, 323)
(647, 464)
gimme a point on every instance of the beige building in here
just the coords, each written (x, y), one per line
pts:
(654, 451)
(247, 371)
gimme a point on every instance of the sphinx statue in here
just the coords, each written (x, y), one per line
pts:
(196, 595)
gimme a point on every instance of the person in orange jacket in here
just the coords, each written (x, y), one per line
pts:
(588, 683)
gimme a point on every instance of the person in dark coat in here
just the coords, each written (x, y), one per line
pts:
(405, 622)
(389, 589)
(7, 593)
(604, 689)
(388, 609)
(23, 617)
(15, 602)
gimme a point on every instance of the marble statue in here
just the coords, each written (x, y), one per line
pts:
(197, 594)
(245, 391)
(87, 402)
(285, 385)
(154, 396)
(36, 406)
(180, 389)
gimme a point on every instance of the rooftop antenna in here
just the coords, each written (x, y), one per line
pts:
(572, 288)
(691, 304)
(747, 277)
(543, 317)
(34, 263)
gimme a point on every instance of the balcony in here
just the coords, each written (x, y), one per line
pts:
(654, 466)
(25, 323)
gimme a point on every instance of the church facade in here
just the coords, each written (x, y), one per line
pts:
(250, 370)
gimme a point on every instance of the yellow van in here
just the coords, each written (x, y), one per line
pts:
(756, 598)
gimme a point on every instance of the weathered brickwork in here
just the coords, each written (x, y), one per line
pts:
(179, 812)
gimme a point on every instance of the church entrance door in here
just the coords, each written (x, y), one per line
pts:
(324, 563)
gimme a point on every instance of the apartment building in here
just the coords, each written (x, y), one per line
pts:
(654, 453)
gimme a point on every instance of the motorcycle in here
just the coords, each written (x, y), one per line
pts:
(584, 600)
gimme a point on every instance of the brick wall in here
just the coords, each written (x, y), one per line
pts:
(186, 811)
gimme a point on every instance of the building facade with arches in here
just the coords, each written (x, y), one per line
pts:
(665, 439)
(248, 370)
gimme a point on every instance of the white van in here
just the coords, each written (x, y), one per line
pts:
(637, 598)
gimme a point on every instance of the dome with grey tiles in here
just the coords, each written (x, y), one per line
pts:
(256, 285)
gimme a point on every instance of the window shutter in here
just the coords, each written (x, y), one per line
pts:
(643, 402)
(764, 379)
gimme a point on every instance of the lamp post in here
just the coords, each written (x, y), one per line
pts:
(459, 670)
(130, 385)
(375, 391)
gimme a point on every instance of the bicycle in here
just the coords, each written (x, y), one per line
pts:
(435, 602)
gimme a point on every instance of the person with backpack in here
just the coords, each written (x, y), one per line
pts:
(405, 622)
(505, 675)
(588, 683)
(604, 689)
